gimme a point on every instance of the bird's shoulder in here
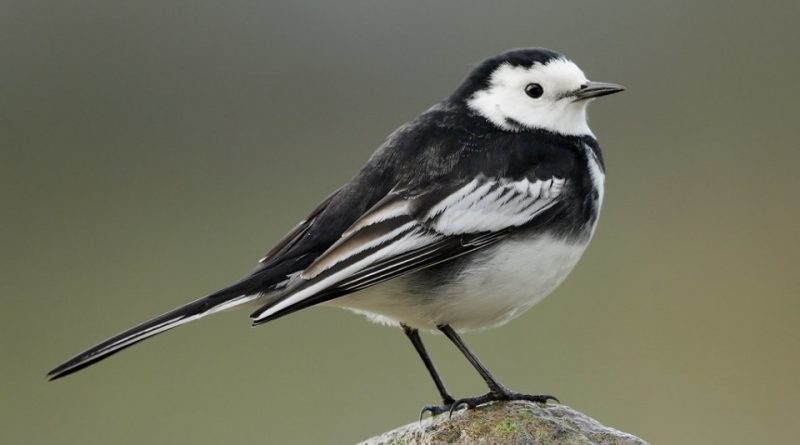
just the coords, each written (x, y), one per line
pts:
(449, 143)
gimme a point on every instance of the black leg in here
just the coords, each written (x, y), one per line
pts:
(413, 335)
(497, 391)
(494, 385)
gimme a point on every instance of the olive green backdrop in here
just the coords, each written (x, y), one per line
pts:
(153, 150)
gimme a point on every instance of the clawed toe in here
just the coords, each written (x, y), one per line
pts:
(472, 402)
(435, 410)
(467, 403)
(538, 398)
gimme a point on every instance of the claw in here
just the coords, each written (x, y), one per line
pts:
(454, 406)
(434, 410)
(538, 398)
(427, 409)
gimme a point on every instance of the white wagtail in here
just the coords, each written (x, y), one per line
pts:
(463, 219)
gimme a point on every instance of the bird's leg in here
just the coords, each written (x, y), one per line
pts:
(497, 391)
(447, 399)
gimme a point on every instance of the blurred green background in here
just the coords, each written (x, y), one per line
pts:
(152, 151)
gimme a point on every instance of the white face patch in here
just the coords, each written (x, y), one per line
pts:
(506, 105)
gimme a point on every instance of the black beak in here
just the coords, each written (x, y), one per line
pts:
(591, 90)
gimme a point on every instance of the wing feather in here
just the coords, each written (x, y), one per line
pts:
(289, 240)
(404, 233)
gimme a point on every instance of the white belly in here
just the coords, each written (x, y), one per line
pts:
(506, 281)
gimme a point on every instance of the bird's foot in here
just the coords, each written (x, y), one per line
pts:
(435, 410)
(501, 395)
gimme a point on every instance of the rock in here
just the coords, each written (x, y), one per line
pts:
(517, 423)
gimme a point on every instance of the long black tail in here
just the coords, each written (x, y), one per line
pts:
(224, 299)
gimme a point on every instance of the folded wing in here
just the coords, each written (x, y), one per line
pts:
(411, 230)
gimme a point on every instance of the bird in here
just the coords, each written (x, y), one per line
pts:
(464, 218)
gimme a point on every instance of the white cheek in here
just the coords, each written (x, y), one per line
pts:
(506, 105)
(500, 106)
(490, 105)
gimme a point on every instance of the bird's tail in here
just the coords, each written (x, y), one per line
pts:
(224, 299)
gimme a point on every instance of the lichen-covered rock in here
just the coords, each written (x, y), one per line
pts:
(517, 423)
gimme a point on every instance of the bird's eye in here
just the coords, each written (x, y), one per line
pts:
(534, 90)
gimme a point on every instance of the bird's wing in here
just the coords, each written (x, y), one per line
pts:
(408, 231)
(290, 239)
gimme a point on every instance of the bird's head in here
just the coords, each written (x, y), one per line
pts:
(532, 88)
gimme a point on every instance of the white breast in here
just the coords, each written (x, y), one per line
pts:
(505, 282)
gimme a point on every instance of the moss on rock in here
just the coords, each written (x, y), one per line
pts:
(516, 423)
